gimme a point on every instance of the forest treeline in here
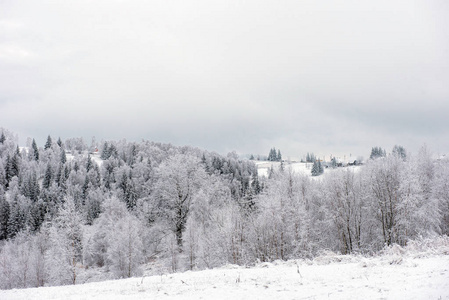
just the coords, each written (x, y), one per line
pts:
(120, 206)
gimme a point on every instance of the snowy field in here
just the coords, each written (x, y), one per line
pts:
(395, 275)
(263, 167)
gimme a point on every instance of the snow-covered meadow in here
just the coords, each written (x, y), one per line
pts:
(421, 271)
(263, 167)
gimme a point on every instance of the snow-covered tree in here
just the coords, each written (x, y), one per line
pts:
(317, 168)
(125, 252)
(180, 177)
(399, 151)
(65, 253)
(34, 151)
(377, 152)
(48, 144)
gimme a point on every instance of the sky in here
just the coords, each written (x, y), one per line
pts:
(329, 77)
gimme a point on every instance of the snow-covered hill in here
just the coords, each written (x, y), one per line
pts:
(263, 167)
(397, 274)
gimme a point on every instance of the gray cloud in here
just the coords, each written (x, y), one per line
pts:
(302, 76)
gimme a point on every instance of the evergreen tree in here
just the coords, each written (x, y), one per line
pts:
(34, 151)
(95, 176)
(377, 152)
(63, 157)
(4, 215)
(48, 143)
(2, 138)
(315, 171)
(105, 153)
(17, 216)
(93, 205)
(400, 152)
(272, 156)
(37, 215)
(317, 168)
(89, 163)
(310, 157)
(30, 187)
(113, 151)
(47, 177)
(129, 194)
(8, 170)
(12, 167)
(85, 188)
(58, 175)
(59, 142)
(279, 156)
(3, 180)
(320, 167)
(15, 165)
(255, 184)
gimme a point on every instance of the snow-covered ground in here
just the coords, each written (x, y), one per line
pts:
(394, 275)
(94, 156)
(263, 167)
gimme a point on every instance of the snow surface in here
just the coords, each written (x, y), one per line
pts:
(330, 276)
(263, 168)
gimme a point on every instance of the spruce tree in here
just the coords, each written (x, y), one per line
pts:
(47, 177)
(2, 138)
(58, 175)
(400, 152)
(3, 181)
(17, 218)
(317, 168)
(30, 187)
(63, 157)
(272, 156)
(12, 167)
(48, 143)
(377, 152)
(37, 215)
(85, 188)
(89, 163)
(35, 151)
(4, 215)
(255, 183)
(15, 162)
(105, 153)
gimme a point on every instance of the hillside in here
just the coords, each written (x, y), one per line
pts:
(414, 273)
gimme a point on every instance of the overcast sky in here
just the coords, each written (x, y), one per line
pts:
(329, 77)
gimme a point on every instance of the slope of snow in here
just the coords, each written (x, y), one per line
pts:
(263, 167)
(330, 276)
